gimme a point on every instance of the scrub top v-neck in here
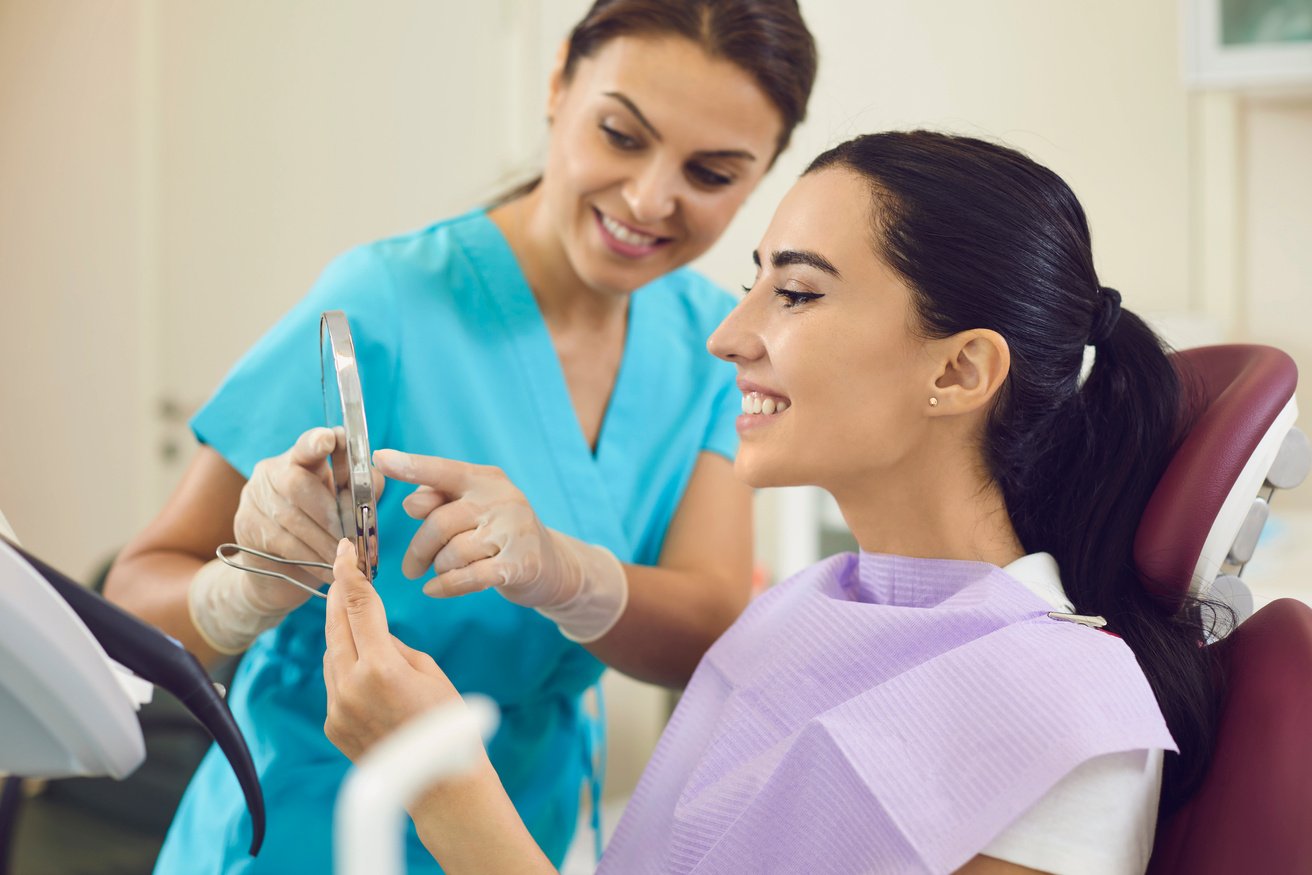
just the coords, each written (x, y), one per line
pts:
(455, 361)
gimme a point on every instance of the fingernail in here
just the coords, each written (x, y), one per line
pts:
(397, 461)
(342, 546)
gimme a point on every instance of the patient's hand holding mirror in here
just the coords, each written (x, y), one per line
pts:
(343, 409)
(352, 479)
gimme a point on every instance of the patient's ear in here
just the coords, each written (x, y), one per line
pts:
(971, 368)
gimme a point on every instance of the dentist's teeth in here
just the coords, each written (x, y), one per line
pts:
(625, 234)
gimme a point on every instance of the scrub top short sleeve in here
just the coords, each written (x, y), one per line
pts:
(455, 361)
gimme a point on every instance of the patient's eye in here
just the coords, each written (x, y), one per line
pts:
(793, 299)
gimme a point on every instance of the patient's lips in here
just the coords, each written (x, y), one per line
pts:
(757, 404)
(761, 405)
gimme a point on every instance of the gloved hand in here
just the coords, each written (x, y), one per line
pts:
(479, 531)
(287, 509)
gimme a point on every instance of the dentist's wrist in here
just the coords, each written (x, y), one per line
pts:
(601, 595)
(226, 611)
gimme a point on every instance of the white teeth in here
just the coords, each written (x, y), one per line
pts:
(755, 403)
(625, 234)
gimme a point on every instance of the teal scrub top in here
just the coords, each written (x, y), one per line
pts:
(456, 361)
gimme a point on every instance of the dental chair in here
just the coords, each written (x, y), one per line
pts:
(1253, 812)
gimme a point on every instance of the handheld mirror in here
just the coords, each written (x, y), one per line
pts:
(343, 410)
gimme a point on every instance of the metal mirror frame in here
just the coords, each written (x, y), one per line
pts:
(353, 482)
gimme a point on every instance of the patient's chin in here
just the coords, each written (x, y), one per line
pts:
(761, 474)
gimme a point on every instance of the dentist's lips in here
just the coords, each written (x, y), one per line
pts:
(625, 240)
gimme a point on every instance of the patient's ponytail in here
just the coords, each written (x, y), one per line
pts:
(987, 238)
(1107, 452)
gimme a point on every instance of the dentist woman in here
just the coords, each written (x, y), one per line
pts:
(551, 351)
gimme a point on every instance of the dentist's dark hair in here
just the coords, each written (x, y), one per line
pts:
(986, 238)
(765, 38)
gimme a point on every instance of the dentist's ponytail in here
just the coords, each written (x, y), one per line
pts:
(987, 238)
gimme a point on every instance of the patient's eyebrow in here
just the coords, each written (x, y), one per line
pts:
(786, 257)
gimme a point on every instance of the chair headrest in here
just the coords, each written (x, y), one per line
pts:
(1243, 396)
(1250, 814)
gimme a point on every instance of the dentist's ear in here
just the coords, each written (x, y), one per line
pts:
(972, 366)
(556, 81)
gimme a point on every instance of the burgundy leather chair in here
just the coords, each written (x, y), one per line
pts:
(1253, 812)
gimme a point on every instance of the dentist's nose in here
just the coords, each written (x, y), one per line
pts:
(651, 195)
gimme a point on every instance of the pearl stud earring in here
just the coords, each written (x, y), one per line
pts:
(933, 402)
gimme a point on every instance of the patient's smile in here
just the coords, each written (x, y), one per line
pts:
(757, 403)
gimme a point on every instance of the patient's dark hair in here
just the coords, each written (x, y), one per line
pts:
(766, 38)
(986, 238)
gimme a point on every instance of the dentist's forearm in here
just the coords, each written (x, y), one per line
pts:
(469, 825)
(153, 586)
(672, 618)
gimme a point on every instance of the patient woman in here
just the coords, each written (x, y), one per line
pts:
(915, 342)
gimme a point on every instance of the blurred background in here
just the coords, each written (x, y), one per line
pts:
(174, 175)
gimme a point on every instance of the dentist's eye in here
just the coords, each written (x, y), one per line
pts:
(706, 177)
(793, 299)
(619, 140)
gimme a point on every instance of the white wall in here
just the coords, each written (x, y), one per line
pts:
(71, 424)
(1275, 289)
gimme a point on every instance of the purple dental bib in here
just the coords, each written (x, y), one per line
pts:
(879, 714)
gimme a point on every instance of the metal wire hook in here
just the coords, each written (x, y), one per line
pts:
(303, 563)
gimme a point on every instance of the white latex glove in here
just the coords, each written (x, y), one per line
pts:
(286, 509)
(479, 531)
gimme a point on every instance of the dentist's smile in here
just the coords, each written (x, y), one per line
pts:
(626, 240)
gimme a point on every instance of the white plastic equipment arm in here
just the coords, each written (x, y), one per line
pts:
(368, 825)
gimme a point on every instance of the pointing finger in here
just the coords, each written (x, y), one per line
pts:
(444, 475)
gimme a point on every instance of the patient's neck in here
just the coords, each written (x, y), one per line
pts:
(934, 513)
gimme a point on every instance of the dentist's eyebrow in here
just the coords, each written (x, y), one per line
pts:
(705, 153)
(786, 257)
(637, 113)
